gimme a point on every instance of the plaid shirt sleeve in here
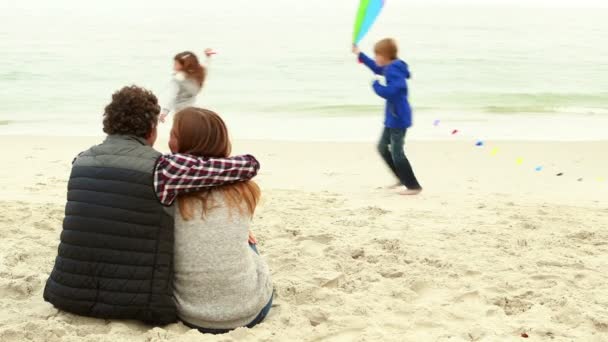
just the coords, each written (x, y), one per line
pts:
(178, 174)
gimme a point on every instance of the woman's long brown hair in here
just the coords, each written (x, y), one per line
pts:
(203, 133)
(191, 67)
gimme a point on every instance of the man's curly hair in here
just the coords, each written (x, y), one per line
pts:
(133, 111)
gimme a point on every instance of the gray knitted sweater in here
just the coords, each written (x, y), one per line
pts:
(220, 282)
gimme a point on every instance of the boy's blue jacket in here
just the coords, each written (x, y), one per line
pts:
(398, 112)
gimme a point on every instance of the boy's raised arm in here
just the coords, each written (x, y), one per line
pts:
(368, 62)
(178, 174)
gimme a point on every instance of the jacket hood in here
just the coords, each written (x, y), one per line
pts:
(399, 69)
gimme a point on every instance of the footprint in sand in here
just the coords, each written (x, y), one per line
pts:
(15, 258)
(584, 235)
(389, 245)
(600, 324)
(357, 253)
(348, 222)
(293, 232)
(44, 225)
(391, 273)
(468, 297)
(323, 238)
(375, 211)
(420, 286)
(312, 248)
(542, 212)
(514, 305)
(545, 277)
(472, 273)
(529, 225)
(436, 263)
(476, 335)
(349, 334)
(21, 288)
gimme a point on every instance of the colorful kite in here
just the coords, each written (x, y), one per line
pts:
(366, 16)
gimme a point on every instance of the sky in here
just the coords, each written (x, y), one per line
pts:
(156, 3)
(543, 3)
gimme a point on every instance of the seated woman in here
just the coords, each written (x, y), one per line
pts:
(221, 282)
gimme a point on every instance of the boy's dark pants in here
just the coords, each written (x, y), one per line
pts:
(391, 149)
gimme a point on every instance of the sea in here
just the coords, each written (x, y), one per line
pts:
(284, 68)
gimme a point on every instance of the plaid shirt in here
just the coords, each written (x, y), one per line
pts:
(178, 174)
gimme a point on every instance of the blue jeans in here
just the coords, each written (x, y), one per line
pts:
(259, 318)
(390, 148)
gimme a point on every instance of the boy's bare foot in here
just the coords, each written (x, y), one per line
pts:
(394, 186)
(409, 192)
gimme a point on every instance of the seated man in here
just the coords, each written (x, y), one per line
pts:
(115, 258)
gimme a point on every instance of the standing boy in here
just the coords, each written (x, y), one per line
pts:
(398, 113)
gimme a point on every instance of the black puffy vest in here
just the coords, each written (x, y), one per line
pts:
(115, 257)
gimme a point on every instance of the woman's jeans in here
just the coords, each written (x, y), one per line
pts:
(390, 148)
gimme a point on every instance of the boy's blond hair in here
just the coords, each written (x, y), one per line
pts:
(387, 48)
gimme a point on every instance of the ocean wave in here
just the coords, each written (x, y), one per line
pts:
(547, 98)
(368, 110)
(18, 75)
(518, 109)
(576, 103)
(328, 110)
(514, 103)
(544, 110)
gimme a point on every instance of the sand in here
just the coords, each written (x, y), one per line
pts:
(491, 250)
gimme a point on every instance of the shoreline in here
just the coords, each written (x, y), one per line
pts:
(427, 127)
(444, 167)
(102, 136)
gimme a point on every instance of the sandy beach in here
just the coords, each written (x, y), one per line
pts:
(491, 250)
